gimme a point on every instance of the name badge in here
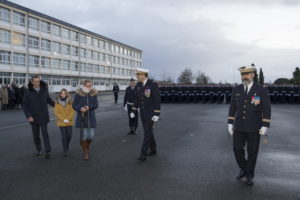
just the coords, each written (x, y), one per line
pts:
(147, 93)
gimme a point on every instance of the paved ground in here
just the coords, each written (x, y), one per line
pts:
(195, 160)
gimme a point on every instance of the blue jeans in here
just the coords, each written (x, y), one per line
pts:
(88, 134)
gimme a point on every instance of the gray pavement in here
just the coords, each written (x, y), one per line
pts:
(194, 162)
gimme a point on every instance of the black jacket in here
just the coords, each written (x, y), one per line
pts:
(148, 100)
(130, 95)
(250, 112)
(35, 103)
(116, 89)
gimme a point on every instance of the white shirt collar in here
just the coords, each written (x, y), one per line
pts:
(144, 82)
(249, 86)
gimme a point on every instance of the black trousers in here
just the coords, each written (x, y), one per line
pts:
(133, 122)
(149, 140)
(240, 139)
(66, 136)
(116, 96)
(36, 136)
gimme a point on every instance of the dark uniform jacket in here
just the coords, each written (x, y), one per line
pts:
(116, 89)
(250, 112)
(148, 100)
(35, 104)
(130, 95)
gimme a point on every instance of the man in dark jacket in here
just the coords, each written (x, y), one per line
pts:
(116, 90)
(249, 118)
(36, 111)
(130, 95)
(148, 101)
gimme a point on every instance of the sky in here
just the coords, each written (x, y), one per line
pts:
(212, 36)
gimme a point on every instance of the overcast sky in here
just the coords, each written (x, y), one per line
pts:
(213, 36)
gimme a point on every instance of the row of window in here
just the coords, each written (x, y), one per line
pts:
(46, 27)
(56, 47)
(54, 63)
(20, 79)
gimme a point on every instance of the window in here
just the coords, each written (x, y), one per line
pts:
(4, 57)
(19, 18)
(5, 78)
(82, 53)
(19, 78)
(88, 54)
(56, 63)
(95, 42)
(66, 65)
(74, 66)
(55, 30)
(56, 47)
(82, 67)
(65, 49)
(46, 79)
(33, 42)
(45, 62)
(18, 39)
(96, 82)
(97, 68)
(89, 40)
(101, 56)
(45, 45)
(45, 27)
(89, 67)
(74, 51)
(74, 36)
(56, 80)
(65, 33)
(65, 80)
(33, 61)
(19, 59)
(33, 23)
(95, 55)
(4, 36)
(101, 44)
(4, 14)
(82, 38)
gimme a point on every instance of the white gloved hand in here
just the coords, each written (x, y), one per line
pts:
(132, 115)
(155, 118)
(230, 129)
(66, 121)
(263, 130)
(125, 108)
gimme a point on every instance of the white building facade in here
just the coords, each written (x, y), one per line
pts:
(63, 54)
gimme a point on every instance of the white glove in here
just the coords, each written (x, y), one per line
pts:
(66, 121)
(230, 129)
(125, 108)
(263, 130)
(155, 118)
(132, 115)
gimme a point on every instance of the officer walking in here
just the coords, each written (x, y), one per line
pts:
(249, 118)
(130, 95)
(148, 101)
(116, 90)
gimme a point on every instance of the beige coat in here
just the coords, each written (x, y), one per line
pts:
(4, 96)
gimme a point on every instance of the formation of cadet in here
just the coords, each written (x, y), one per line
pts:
(221, 93)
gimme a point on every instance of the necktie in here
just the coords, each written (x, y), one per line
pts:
(246, 90)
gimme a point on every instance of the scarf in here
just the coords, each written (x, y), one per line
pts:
(63, 101)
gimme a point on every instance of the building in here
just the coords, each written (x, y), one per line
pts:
(63, 54)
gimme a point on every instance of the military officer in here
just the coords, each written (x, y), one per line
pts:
(148, 101)
(249, 118)
(130, 95)
(116, 90)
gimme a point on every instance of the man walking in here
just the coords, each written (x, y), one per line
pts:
(116, 90)
(130, 95)
(249, 118)
(36, 111)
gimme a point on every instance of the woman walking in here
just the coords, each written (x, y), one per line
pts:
(85, 103)
(64, 118)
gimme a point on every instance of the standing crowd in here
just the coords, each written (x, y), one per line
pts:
(11, 96)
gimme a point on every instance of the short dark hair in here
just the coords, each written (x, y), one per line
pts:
(35, 76)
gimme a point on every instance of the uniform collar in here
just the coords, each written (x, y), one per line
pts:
(249, 86)
(145, 81)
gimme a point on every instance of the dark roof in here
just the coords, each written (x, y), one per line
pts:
(8, 3)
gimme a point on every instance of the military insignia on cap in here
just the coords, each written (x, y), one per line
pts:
(246, 69)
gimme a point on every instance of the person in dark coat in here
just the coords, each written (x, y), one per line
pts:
(22, 91)
(18, 99)
(35, 106)
(116, 90)
(130, 95)
(148, 101)
(249, 118)
(11, 97)
(85, 103)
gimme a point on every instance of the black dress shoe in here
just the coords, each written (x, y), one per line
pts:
(38, 154)
(142, 158)
(249, 181)
(152, 153)
(47, 156)
(241, 175)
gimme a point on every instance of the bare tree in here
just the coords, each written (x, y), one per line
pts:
(202, 78)
(186, 76)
